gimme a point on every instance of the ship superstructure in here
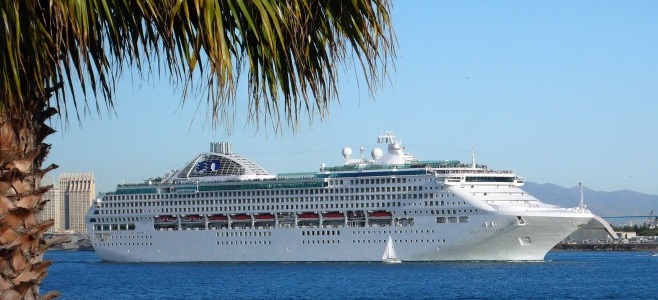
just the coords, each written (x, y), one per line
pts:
(224, 207)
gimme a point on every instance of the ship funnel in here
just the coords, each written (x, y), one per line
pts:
(221, 147)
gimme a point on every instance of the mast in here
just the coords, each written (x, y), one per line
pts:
(473, 157)
(389, 252)
(581, 206)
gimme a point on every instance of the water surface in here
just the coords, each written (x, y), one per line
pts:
(564, 275)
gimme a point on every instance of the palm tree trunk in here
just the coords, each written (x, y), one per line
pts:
(22, 152)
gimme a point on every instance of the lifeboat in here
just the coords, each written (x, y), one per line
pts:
(192, 219)
(334, 215)
(241, 218)
(167, 219)
(217, 218)
(264, 217)
(308, 216)
(380, 215)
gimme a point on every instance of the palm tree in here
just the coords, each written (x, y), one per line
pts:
(56, 54)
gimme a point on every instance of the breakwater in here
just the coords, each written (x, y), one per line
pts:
(606, 247)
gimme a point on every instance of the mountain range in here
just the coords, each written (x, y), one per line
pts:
(604, 204)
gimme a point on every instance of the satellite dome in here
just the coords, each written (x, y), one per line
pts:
(376, 153)
(347, 151)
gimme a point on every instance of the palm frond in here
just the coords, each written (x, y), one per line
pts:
(290, 50)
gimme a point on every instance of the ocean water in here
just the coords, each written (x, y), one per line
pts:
(563, 275)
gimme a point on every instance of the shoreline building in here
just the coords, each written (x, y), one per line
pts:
(70, 198)
(77, 191)
(52, 209)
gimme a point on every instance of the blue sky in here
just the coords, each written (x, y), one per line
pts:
(558, 91)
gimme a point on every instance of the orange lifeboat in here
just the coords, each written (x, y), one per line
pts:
(217, 218)
(241, 218)
(333, 215)
(380, 215)
(264, 217)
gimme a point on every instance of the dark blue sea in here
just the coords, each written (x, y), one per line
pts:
(564, 275)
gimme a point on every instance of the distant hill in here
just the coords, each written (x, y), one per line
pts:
(605, 204)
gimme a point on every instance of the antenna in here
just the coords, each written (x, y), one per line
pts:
(473, 157)
(581, 206)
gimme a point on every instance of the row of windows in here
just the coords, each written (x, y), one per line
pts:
(270, 242)
(400, 241)
(114, 227)
(123, 244)
(244, 242)
(439, 212)
(320, 242)
(116, 220)
(243, 233)
(277, 207)
(193, 193)
(364, 194)
(489, 179)
(107, 236)
(391, 231)
(321, 232)
(377, 181)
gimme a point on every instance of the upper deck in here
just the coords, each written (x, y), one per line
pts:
(220, 167)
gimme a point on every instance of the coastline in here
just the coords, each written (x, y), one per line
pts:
(606, 247)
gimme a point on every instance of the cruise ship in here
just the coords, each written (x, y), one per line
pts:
(224, 207)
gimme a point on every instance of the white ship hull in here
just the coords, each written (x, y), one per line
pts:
(505, 241)
(223, 207)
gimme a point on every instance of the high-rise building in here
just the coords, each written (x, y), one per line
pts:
(76, 192)
(52, 209)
